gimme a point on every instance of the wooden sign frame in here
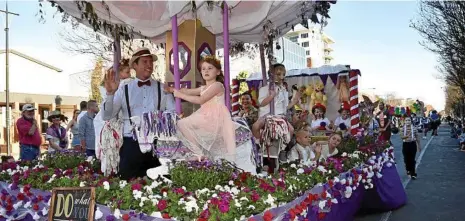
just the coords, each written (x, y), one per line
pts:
(92, 204)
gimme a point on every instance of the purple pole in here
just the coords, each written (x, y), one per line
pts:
(177, 76)
(116, 55)
(226, 55)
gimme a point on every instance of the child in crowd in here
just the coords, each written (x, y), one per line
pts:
(302, 150)
(208, 132)
(410, 146)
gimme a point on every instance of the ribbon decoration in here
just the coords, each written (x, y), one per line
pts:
(110, 142)
(276, 129)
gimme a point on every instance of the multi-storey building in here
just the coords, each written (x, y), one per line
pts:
(316, 43)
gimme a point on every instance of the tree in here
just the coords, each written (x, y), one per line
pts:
(440, 23)
(96, 80)
(392, 99)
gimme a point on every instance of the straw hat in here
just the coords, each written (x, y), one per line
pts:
(141, 52)
(54, 114)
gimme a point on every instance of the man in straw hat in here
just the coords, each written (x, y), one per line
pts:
(29, 136)
(141, 95)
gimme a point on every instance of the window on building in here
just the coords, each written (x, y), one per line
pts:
(305, 44)
(304, 35)
(307, 52)
(294, 38)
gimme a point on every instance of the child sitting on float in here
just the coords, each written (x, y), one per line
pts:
(329, 148)
(303, 150)
(319, 123)
(342, 122)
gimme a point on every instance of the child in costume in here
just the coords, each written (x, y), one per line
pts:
(209, 132)
(342, 123)
(410, 146)
(111, 144)
(384, 121)
(302, 150)
(280, 98)
(319, 123)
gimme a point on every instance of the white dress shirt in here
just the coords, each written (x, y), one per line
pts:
(141, 100)
(303, 153)
(281, 101)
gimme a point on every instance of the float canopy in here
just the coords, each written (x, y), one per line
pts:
(152, 19)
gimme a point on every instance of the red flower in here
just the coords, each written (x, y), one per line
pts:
(292, 214)
(255, 197)
(330, 183)
(40, 198)
(9, 207)
(214, 201)
(243, 177)
(126, 217)
(35, 207)
(45, 178)
(162, 204)
(21, 196)
(323, 195)
(268, 216)
(165, 216)
(136, 186)
(321, 215)
(201, 219)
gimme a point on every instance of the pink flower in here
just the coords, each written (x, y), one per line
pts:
(255, 197)
(224, 207)
(214, 201)
(162, 204)
(136, 186)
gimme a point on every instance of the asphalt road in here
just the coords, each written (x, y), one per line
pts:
(438, 194)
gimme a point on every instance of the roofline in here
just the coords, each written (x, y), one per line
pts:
(32, 59)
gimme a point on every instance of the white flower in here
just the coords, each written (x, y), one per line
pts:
(364, 181)
(117, 213)
(106, 185)
(27, 205)
(98, 214)
(148, 189)
(343, 181)
(218, 187)
(336, 180)
(344, 154)
(165, 194)
(244, 199)
(82, 184)
(231, 183)
(389, 164)
(270, 200)
(36, 216)
(300, 171)
(322, 169)
(122, 183)
(17, 205)
(322, 204)
(379, 175)
(45, 211)
(2, 211)
(235, 191)
(251, 207)
(293, 166)
(214, 195)
(226, 188)
(156, 214)
(137, 194)
(237, 203)
(348, 192)
(334, 200)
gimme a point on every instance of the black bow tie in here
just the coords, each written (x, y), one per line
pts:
(142, 83)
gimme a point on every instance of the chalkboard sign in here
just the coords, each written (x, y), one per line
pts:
(73, 203)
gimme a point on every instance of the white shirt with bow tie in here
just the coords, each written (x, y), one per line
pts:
(141, 100)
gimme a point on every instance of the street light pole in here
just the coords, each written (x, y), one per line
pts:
(7, 78)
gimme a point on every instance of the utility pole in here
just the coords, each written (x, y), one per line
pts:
(7, 77)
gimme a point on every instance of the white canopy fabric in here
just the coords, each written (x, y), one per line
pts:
(152, 19)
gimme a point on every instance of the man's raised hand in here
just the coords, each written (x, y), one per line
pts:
(111, 83)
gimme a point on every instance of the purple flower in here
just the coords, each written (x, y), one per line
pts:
(4, 192)
(110, 218)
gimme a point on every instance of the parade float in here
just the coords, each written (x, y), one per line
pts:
(362, 176)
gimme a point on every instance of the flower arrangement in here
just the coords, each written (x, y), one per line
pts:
(198, 190)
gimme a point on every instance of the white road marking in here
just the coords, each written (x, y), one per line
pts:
(387, 215)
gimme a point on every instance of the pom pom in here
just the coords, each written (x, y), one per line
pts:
(342, 126)
(322, 126)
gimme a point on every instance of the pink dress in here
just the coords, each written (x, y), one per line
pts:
(210, 130)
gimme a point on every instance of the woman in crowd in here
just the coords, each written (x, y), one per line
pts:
(74, 126)
(56, 134)
(329, 149)
(248, 110)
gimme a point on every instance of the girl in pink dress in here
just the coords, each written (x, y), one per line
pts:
(209, 132)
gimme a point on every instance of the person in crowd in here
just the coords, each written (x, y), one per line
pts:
(410, 146)
(83, 106)
(86, 128)
(209, 132)
(435, 122)
(56, 134)
(384, 121)
(342, 122)
(425, 125)
(73, 125)
(143, 94)
(248, 110)
(329, 148)
(29, 136)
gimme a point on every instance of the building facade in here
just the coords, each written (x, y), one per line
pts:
(316, 43)
(32, 81)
